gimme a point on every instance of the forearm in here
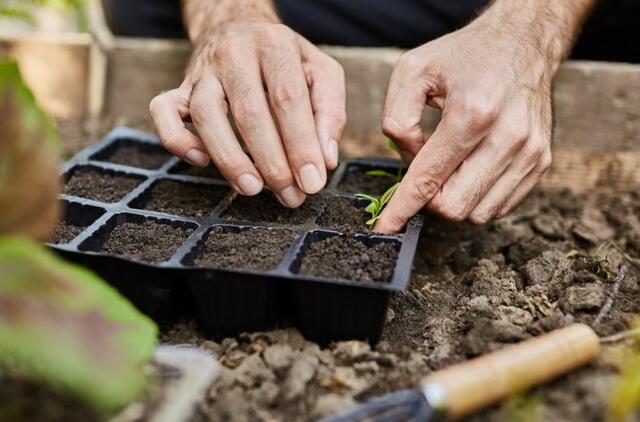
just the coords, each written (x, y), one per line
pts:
(550, 26)
(202, 16)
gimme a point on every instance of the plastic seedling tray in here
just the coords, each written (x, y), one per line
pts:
(210, 255)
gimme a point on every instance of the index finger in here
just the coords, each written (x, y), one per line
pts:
(453, 140)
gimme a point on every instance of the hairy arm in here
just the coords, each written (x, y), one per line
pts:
(492, 80)
(284, 95)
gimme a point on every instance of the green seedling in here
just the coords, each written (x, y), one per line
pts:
(383, 173)
(376, 205)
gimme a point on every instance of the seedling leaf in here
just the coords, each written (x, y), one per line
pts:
(388, 194)
(392, 145)
(381, 173)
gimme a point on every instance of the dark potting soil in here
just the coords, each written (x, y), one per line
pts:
(265, 208)
(22, 400)
(104, 187)
(185, 198)
(258, 249)
(149, 241)
(343, 257)
(65, 233)
(473, 290)
(149, 158)
(187, 169)
(341, 214)
(360, 182)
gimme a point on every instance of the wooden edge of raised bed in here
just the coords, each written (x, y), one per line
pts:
(596, 105)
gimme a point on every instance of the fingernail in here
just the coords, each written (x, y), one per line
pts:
(197, 157)
(291, 197)
(310, 178)
(332, 146)
(249, 184)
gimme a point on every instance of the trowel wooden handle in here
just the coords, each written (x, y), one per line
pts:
(470, 386)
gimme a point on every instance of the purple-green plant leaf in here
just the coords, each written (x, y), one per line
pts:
(62, 325)
(29, 161)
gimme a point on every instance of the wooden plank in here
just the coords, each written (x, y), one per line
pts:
(56, 67)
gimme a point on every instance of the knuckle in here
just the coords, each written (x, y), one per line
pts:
(534, 153)
(454, 213)
(479, 218)
(394, 129)
(409, 60)
(247, 110)
(545, 162)
(478, 112)
(277, 177)
(155, 105)
(288, 94)
(274, 32)
(423, 188)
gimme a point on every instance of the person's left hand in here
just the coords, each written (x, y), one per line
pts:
(493, 142)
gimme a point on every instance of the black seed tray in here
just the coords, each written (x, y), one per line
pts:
(228, 301)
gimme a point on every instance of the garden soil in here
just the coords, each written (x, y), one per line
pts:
(131, 155)
(104, 187)
(474, 290)
(185, 198)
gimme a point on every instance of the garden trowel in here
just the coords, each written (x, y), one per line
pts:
(468, 387)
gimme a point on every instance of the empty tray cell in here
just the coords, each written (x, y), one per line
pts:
(265, 208)
(77, 217)
(187, 169)
(139, 238)
(99, 184)
(242, 248)
(344, 214)
(181, 198)
(343, 257)
(133, 153)
(357, 180)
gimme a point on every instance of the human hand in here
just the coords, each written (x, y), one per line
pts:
(286, 97)
(493, 142)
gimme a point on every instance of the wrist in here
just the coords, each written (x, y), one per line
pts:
(542, 31)
(204, 18)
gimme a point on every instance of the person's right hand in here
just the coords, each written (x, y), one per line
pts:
(286, 97)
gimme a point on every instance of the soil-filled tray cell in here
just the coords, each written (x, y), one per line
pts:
(181, 198)
(347, 257)
(77, 217)
(356, 180)
(186, 169)
(265, 208)
(134, 154)
(344, 214)
(247, 249)
(99, 184)
(139, 238)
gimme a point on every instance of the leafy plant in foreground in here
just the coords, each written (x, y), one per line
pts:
(626, 394)
(60, 324)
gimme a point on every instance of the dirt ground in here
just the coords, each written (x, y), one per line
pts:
(473, 290)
